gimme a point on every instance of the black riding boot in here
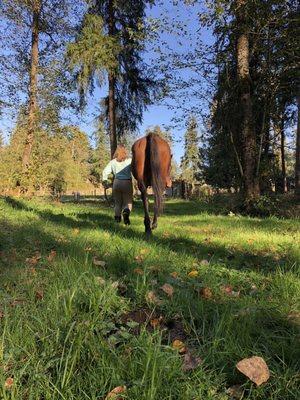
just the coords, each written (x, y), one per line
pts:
(126, 213)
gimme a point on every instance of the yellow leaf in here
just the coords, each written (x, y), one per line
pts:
(144, 251)
(193, 273)
(179, 345)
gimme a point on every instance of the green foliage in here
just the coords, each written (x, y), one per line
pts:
(264, 206)
(190, 162)
(93, 53)
(100, 155)
(59, 160)
(115, 46)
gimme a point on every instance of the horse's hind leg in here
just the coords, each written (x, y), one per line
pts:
(147, 221)
(154, 222)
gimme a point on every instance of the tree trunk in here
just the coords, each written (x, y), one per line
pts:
(32, 109)
(282, 151)
(297, 164)
(112, 87)
(112, 114)
(251, 182)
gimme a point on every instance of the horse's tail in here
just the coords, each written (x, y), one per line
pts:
(156, 178)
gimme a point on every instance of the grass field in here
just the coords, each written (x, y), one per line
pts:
(71, 328)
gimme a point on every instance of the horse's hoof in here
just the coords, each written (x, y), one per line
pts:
(148, 234)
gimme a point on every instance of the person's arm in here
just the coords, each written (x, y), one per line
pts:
(107, 171)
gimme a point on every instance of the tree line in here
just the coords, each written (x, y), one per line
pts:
(56, 53)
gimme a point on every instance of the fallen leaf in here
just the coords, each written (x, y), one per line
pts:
(179, 345)
(166, 234)
(155, 322)
(98, 263)
(206, 293)
(76, 231)
(144, 251)
(39, 295)
(255, 368)
(115, 392)
(32, 270)
(152, 298)
(193, 273)
(139, 259)
(254, 290)
(204, 262)
(32, 261)
(115, 285)
(8, 383)
(51, 255)
(168, 289)
(17, 302)
(227, 289)
(190, 362)
(88, 249)
(100, 280)
(138, 271)
(235, 392)
(294, 316)
(174, 274)
(155, 269)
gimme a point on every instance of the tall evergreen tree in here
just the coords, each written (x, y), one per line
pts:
(250, 151)
(100, 154)
(190, 162)
(121, 30)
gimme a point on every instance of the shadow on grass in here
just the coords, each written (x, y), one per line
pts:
(232, 259)
(266, 330)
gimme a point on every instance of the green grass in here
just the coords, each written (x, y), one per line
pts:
(63, 334)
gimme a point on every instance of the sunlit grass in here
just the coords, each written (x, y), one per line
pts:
(62, 335)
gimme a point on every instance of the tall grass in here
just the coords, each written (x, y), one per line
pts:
(63, 331)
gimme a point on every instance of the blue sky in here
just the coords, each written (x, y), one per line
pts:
(160, 113)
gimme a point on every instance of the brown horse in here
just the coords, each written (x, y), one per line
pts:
(151, 165)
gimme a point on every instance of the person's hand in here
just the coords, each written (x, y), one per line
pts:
(105, 184)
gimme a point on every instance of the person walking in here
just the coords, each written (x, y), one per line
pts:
(120, 167)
